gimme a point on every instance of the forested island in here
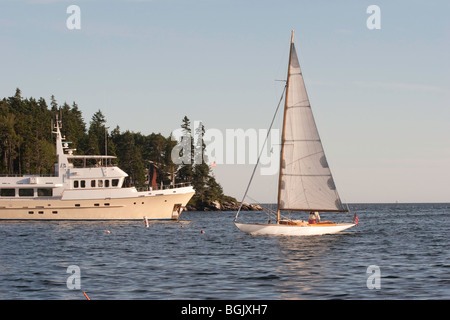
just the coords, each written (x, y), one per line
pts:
(27, 147)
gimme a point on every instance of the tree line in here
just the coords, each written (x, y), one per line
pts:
(27, 147)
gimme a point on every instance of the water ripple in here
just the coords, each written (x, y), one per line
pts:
(175, 260)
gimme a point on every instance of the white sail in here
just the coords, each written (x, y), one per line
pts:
(305, 180)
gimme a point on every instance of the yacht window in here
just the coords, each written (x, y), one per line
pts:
(83, 184)
(7, 192)
(45, 192)
(92, 183)
(75, 184)
(100, 183)
(26, 192)
(106, 183)
(115, 182)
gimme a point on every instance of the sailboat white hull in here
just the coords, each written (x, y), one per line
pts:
(289, 230)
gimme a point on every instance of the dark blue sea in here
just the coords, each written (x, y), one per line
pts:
(397, 251)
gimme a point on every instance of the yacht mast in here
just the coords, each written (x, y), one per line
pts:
(283, 132)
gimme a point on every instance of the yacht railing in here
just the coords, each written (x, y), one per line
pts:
(27, 175)
(165, 187)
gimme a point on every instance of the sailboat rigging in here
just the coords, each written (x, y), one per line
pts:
(305, 182)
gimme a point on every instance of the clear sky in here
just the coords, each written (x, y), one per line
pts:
(380, 97)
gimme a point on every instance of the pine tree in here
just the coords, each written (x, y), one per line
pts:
(97, 131)
(201, 169)
(10, 141)
(185, 172)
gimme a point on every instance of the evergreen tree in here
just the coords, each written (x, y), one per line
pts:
(130, 159)
(185, 172)
(54, 104)
(170, 167)
(201, 169)
(207, 189)
(10, 141)
(97, 131)
(74, 127)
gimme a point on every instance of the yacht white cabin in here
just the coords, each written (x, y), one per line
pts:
(86, 188)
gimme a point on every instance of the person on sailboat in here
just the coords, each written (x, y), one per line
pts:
(314, 217)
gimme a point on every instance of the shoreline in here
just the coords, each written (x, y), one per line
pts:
(225, 206)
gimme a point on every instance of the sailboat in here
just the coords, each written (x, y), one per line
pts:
(305, 182)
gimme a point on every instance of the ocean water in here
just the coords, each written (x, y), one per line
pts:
(397, 251)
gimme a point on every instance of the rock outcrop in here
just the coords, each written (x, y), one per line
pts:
(225, 206)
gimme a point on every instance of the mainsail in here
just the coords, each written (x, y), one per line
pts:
(305, 182)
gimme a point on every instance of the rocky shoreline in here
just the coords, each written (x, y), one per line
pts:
(225, 206)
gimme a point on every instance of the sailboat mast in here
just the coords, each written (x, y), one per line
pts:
(283, 130)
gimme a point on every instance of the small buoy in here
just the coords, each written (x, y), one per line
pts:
(182, 226)
(146, 221)
(202, 231)
(107, 231)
